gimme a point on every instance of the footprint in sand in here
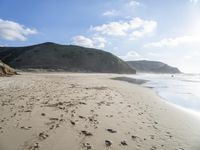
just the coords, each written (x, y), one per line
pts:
(153, 148)
(134, 137)
(43, 114)
(108, 143)
(87, 146)
(86, 133)
(43, 135)
(124, 143)
(34, 147)
(26, 128)
(72, 122)
(111, 130)
(152, 137)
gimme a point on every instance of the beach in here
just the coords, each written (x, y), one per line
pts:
(82, 111)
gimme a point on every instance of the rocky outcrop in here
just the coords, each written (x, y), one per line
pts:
(152, 67)
(6, 70)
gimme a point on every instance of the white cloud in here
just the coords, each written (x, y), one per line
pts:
(99, 42)
(133, 28)
(171, 42)
(82, 41)
(131, 55)
(133, 3)
(111, 13)
(129, 29)
(113, 28)
(10, 30)
(194, 1)
(123, 9)
(95, 42)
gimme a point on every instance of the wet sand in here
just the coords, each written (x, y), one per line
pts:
(48, 111)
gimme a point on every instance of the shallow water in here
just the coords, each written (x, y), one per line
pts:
(182, 90)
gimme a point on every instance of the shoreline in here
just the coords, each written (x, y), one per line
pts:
(85, 111)
(141, 81)
(130, 80)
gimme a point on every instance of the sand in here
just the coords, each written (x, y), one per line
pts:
(41, 111)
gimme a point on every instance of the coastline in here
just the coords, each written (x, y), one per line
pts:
(180, 91)
(165, 99)
(51, 111)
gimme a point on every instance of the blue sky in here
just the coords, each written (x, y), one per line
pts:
(167, 31)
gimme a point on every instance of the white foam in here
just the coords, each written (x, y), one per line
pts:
(181, 90)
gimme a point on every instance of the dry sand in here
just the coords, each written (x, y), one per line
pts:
(89, 111)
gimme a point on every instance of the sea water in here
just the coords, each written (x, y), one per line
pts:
(183, 90)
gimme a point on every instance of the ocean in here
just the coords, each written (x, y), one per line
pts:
(182, 90)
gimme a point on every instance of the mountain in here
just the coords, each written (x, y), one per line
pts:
(152, 67)
(55, 57)
(6, 70)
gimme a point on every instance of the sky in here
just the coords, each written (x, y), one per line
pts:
(167, 31)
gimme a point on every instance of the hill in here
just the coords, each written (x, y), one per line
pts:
(152, 67)
(54, 57)
(6, 70)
